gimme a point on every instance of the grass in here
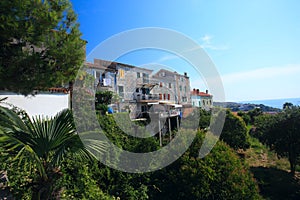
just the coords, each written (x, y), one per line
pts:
(271, 173)
(258, 155)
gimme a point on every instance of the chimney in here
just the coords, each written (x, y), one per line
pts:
(206, 91)
(197, 91)
(194, 89)
(185, 74)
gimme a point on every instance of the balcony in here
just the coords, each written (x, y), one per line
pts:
(105, 83)
(145, 80)
(142, 97)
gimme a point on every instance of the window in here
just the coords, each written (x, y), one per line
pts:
(184, 88)
(121, 73)
(160, 96)
(199, 103)
(121, 91)
(138, 74)
(145, 75)
(170, 85)
(145, 78)
(164, 96)
(160, 84)
(168, 96)
(163, 74)
(98, 75)
(180, 87)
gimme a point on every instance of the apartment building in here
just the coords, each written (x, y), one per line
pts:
(174, 86)
(140, 88)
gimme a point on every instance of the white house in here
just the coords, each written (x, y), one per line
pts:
(201, 99)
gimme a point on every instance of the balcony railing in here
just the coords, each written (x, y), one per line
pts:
(144, 80)
(139, 97)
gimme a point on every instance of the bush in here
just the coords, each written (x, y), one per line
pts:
(234, 132)
(219, 175)
(78, 181)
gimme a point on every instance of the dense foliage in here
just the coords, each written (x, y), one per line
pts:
(282, 133)
(219, 175)
(36, 148)
(245, 116)
(234, 132)
(38, 38)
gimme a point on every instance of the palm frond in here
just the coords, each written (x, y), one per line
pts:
(44, 142)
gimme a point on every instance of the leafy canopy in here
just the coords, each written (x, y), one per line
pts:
(40, 44)
(282, 133)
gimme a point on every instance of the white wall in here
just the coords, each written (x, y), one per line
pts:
(40, 104)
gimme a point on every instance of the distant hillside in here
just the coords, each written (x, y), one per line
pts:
(245, 106)
(275, 103)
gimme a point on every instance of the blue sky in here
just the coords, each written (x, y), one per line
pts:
(255, 45)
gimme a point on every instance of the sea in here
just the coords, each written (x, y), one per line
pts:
(275, 103)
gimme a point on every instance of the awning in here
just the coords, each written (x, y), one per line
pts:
(153, 103)
(176, 105)
(166, 102)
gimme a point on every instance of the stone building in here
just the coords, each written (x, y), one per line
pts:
(139, 88)
(173, 86)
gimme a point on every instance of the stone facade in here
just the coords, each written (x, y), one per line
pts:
(175, 85)
(136, 86)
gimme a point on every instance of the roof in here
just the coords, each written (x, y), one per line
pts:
(170, 72)
(99, 66)
(58, 90)
(113, 64)
(201, 94)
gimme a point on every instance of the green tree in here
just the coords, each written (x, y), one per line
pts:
(219, 175)
(204, 120)
(244, 116)
(283, 136)
(263, 124)
(80, 180)
(254, 113)
(234, 132)
(287, 105)
(39, 145)
(40, 44)
(103, 99)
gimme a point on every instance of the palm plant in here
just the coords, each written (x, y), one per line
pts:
(42, 144)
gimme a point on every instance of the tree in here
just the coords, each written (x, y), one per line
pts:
(254, 113)
(40, 45)
(287, 105)
(234, 132)
(263, 124)
(284, 135)
(103, 99)
(204, 120)
(40, 145)
(219, 175)
(244, 116)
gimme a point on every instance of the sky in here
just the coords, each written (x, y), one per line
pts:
(254, 45)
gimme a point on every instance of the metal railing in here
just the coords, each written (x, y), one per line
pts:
(139, 97)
